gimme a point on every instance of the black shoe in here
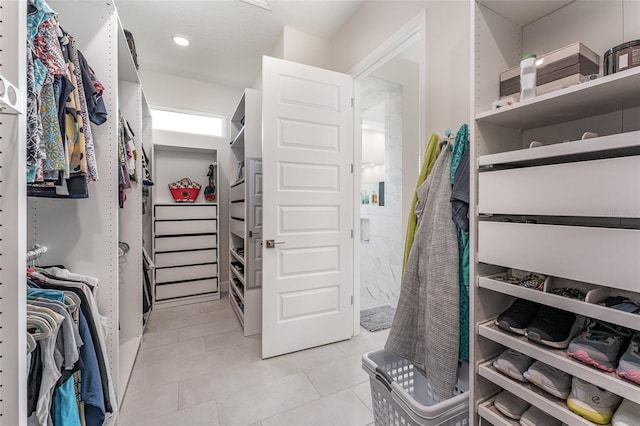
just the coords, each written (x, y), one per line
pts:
(517, 318)
(553, 327)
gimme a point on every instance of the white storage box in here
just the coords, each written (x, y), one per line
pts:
(401, 394)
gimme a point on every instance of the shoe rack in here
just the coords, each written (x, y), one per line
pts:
(245, 214)
(569, 210)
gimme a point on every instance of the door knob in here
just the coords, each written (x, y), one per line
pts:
(272, 243)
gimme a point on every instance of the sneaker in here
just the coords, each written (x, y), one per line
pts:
(591, 402)
(550, 379)
(518, 316)
(629, 365)
(512, 363)
(628, 414)
(553, 327)
(536, 417)
(600, 345)
(510, 405)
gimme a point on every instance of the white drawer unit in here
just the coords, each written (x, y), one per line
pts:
(604, 256)
(182, 212)
(193, 242)
(186, 273)
(186, 227)
(236, 192)
(237, 210)
(188, 288)
(180, 258)
(567, 189)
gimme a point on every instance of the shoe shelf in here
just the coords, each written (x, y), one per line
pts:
(555, 407)
(238, 141)
(606, 94)
(580, 150)
(558, 358)
(238, 275)
(580, 307)
(237, 256)
(491, 414)
(236, 309)
(237, 290)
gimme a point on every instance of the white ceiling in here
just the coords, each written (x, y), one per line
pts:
(228, 37)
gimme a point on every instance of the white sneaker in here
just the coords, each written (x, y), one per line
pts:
(536, 417)
(628, 414)
(591, 402)
(510, 405)
(513, 364)
(550, 379)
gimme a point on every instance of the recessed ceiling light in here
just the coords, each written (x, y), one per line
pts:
(264, 4)
(180, 40)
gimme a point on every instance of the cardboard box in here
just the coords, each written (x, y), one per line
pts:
(555, 69)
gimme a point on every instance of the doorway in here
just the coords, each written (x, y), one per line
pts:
(389, 93)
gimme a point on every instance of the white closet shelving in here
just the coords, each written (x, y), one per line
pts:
(83, 235)
(245, 213)
(583, 229)
(186, 241)
(13, 382)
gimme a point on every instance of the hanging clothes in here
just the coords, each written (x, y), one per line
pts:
(430, 156)
(87, 93)
(426, 325)
(460, 175)
(61, 155)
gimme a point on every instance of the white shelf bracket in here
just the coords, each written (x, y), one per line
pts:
(10, 97)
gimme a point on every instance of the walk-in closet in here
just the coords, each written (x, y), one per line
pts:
(319, 212)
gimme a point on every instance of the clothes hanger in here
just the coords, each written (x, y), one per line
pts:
(42, 327)
(72, 301)
(31, 343)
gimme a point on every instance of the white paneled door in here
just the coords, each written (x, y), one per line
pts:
(308, 207)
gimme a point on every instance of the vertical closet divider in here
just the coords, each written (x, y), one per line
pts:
(13, 246)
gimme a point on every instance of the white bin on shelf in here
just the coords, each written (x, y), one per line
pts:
(401, 394)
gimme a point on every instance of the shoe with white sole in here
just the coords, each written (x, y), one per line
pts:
(591, 402)
(518, 316)
(628, 414)
(513, 364)
(600, 345)
(536, 417)
(549, 379)
(510, 405)
(553, 327)
(629, 365)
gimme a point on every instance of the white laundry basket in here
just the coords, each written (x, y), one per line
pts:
(401, 394)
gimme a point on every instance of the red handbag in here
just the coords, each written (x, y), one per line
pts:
(185, 190)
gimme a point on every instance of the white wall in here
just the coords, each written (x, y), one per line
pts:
(306, 48)
(448, 54)
(171, 91)
(297, 46)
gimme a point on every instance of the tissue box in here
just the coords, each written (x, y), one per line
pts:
(555, 70)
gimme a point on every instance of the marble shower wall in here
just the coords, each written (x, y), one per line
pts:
(381, 256)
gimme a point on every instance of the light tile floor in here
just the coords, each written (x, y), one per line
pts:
(195, 368)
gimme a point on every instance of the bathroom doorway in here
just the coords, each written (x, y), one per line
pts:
(389, 107)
